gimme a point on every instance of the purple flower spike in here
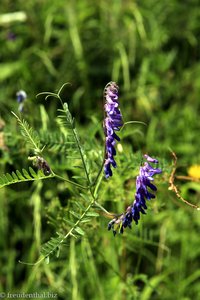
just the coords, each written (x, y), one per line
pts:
(143, 184)
(112, 122)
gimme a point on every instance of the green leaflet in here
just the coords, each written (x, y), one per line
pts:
(23, 176)
(55, 243)
(30, 135)
(79, 231)
(61, 142)
(52, 246)
(92, 214)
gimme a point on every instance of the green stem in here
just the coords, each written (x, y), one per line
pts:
(104, 155)
(100, 170)
(71, 182)
(133, 122)
(77, 222)
(77, 141)
(70, 232)
(81, 154)
(103, 209)
(97, 186)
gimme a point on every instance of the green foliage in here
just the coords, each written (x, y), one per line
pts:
(30, 136)
(17, 176)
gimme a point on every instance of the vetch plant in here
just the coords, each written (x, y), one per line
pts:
(82, 210)
(143, 184)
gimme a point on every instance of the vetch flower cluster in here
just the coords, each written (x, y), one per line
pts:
(143, 184)
(21, 97)
(41, 164)
(112, 122)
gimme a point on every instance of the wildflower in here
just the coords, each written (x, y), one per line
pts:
(41, 164)
(194, 171)
(113, 122)
(143, 184)
(21, 97)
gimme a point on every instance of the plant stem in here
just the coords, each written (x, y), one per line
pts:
(71, 182)
(82, 155)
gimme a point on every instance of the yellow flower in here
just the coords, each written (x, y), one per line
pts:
(194, 171)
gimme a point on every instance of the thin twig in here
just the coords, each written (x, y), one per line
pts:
(187, 178)
(173, 187)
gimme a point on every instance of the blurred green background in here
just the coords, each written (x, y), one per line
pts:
(151, 49)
